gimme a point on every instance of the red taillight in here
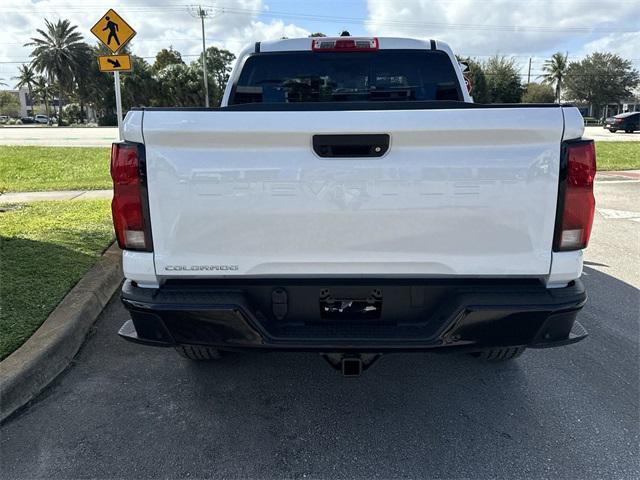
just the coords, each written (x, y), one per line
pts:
(129, 202)
(344, 44)
(576, 205)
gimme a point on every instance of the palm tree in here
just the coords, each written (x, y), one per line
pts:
(43, 91)
(555, 70)
(26, 78)
(84, 92)
(56, 53)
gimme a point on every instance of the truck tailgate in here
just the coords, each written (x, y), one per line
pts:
(460, 192)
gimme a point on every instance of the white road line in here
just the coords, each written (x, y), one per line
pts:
(601, 182)
(610, 213)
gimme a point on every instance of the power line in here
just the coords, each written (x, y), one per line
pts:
(150, 57)
(516, 28)
(165, 41)
(420, 24)
(533, 74)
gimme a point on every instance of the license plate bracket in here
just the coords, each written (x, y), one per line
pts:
(343, 308)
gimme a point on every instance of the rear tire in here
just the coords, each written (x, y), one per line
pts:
(500, 354)
(628, 131)
(613, 130)
(198, 353)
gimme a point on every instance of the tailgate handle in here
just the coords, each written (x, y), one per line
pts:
(351, 146)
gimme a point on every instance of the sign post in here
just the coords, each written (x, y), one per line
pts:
(114, 33)
(116, 78)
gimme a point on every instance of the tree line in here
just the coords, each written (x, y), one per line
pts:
(64, 66)
(597, 80)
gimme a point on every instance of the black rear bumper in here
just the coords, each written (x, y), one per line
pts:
(402, 315)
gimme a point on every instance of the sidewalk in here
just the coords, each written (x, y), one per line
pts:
(24, 197)
(619, 176)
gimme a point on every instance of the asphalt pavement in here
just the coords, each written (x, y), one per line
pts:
(127, 411)
(104, 136)
(46, 136)
(601, 135)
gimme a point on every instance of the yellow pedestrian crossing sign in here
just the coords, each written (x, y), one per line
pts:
(113, 31)
(114, 63)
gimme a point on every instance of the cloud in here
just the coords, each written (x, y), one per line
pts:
(524, 27)
(535, 27)
(159, 24)
(627, 45)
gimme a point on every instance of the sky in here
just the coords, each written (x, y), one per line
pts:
(479, 28)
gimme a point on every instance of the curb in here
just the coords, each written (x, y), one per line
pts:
(619, 174)
(26, 197)
(28, 370)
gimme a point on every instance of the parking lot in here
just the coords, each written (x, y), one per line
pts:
(600, 134)
(58, 137)
(123, 410)
(104, 136)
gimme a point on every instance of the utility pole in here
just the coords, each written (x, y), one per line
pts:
(198, 11)
(529, 74)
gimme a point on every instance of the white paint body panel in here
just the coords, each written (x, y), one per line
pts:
(565, 266)
(574, 124)
(132, 126)
(139, 266)
(460, 192)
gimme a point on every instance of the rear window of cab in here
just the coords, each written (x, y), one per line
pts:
(378, 76)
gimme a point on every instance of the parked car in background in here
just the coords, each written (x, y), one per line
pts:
(25, 120)
(4, 119)
(41, 119)
(629, 122)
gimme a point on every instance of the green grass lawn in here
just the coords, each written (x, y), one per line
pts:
(45, 248)
(29, 169)
(618, 155)
(32, 169)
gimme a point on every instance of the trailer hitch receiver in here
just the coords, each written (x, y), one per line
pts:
(351, 364)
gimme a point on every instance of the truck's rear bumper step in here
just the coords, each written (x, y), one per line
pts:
(411, 315)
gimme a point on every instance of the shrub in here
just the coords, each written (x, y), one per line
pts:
(108, 121)
(538, 93)
(72, 113)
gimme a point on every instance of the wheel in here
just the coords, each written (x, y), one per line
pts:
(198, 353)
(628, 131)
(613, 130)
(500, 354)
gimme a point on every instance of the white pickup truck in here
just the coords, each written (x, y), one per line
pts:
(349, 198)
